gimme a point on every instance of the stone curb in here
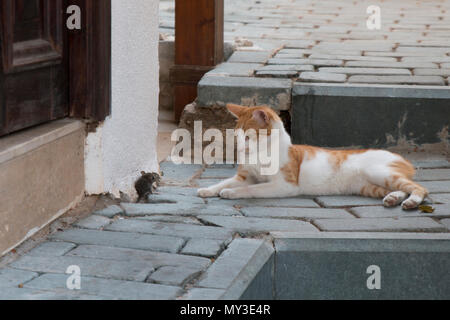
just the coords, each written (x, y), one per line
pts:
(242, 261)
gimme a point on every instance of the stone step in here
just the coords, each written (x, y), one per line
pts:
(365, 115)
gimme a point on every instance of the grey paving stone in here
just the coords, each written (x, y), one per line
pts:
(436, 186)
(157, 259)
(203, 247)
(382, 212)
(393, 54)
(446, 222)
(218, 173)
(366, 71)
(440, 198)
(349, 57)
(380, 224)
(93, 222)
(121, 239)
(13, 294)
(275, 93)
(250, 57)
(298, 43)
(287, 67)
(173, 229)
(229, 266)
(109, 288)
(177, 190)
(173, 198)
(361, 46)
(316, 62)
(432, 72)
(110, 211)
(277, 74)
(383, 64)
(218, 209)
(234, 69)
(268, 202)
(178, 172)
(13, 277)
(433, 50)
(425, 80)
(322, 77)
(171, 219)
(432, 174)
(295, 213)
(140, 209)
(245, 224)
(122, 270)
(203, 294)
(176, 276)
(289, 56)
(347, 201)
(431, 164)
(51, 249)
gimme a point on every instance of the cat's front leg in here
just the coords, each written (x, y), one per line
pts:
(262, 190)
(214, 190)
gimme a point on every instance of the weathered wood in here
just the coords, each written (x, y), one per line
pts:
(33, 74)
(90, 61)
(198, 43)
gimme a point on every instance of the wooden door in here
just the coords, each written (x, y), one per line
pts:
(34, 73)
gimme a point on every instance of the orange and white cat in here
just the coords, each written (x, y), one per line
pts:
(308, 170)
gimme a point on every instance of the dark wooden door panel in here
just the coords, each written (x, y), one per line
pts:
(34, 77)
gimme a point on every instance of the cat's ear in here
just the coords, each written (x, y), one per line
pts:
(236, 110)
(261, 117)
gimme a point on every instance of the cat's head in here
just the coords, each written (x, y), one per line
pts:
(253, 121)
(260, 117)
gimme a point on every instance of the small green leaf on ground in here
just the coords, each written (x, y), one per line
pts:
(426, 209)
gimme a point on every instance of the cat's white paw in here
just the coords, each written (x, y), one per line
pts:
(228, 194)
(206, 193)
(409, 204)
(394, 198)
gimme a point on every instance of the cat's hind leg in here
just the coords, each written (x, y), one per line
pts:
(374, 191)
(397, 176)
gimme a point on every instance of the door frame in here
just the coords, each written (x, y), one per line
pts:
(90, 61)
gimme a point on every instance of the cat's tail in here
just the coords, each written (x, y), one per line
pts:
(401, 180)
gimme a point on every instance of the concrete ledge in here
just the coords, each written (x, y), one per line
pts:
(373, 90)
(275, 93)
(369, 116)
(340, 266)
(41, 177)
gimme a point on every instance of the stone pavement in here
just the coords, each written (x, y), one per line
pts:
(180, 246)
(329, 41)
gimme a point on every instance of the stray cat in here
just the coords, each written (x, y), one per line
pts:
(308, 170)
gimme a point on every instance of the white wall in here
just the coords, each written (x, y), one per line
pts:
(126, 142)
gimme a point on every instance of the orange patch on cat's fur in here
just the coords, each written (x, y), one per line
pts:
(338, 157)
(297, 153)
(404, 168)
(241, 174)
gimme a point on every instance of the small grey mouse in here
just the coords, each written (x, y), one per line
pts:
(146, 184)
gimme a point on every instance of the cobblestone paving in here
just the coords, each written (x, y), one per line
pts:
(329, 42)
(179, 246)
